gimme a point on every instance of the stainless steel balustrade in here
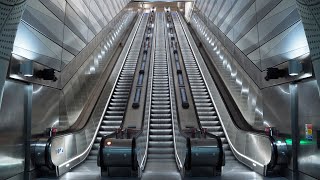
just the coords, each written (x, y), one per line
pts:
(117, 105)
(66, 151)
(242, 88)
(254, 150)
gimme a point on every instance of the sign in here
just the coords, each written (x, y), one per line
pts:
(59, 150)
(308, 130)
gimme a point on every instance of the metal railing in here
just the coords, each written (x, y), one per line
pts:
(255, 150)
(66, 151)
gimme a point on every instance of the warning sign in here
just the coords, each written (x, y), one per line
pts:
(308, 129)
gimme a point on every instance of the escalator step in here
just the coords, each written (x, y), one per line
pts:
(160, 131)
(162, 150)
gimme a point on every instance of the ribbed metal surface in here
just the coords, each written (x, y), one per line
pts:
(114, 114)
(161, 145)
(203, 103)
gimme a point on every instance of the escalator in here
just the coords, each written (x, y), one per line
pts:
(116, 107)
(204, 106)
(161, 152)
(161, 149)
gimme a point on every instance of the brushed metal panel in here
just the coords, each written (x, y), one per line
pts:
(97, 14)
(45, 107)
(267, 27)
(104, 10)
(56, 156)
(12, 126)
(243, 140)
(75, 23)
(76, 146)
(44, 21)
(309, 103)
(243, 89)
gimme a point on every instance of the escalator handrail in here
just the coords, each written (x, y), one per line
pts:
(105, 108)
(218, 114)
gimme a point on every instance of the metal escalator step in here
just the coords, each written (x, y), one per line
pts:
(111, 123)
(160, 116)
(116, 104)
(204, 108)
(116, 118)
(160, 98)
(202, 100)
(122, 90)
(228, 153)
(198, 104)
(161, 150)
(121, 93)
(208, 118)
(213, 128)
(224, 140)
(160, 95)
(161, 138)
(98, 139)
(108, 128)
(119, 100)
(116, 108)
(160, 126)
(207, 113)
(160, 88)
(160, 131)
(161, 106)
(115, 113)
(161, 121)
(104, 133)
(161, 144)
(92, 158)
(198, 90)
(226, 146)
(121, 96)
(160, 102)
(220, 133)
(201, 97)
(95, 146)
(161, 157)
(160, 111)
(210, 123)
(94, 152)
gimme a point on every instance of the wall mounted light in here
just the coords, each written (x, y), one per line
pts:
(46, 74)
(294, 67)
(275, 73)
(26, 68)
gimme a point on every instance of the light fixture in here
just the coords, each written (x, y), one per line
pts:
(294, 67)
(26, 68)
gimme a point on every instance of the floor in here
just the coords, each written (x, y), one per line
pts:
(231, 171)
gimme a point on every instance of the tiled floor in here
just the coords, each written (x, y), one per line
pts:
(233, 170)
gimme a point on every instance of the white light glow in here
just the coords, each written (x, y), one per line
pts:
(239, 82)
(92, 69)
(38, 90)
(282, 90)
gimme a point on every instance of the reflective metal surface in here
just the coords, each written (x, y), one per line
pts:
(53, 33)
(10, 17)
(46, 114)
(308, 105)
(76, 146)
(12, 130)
(266, 32)
(244, 145)
(74, 97)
